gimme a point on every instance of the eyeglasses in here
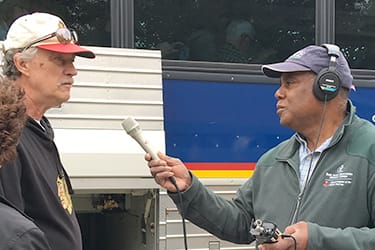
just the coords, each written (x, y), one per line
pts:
(63, 35)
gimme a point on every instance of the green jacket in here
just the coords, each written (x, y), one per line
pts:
(338, 202)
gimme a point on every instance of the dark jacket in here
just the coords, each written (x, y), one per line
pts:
(17, 231)
(338, 202)
(35, 184)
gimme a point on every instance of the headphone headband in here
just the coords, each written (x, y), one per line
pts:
(334, 52)
(332, 49)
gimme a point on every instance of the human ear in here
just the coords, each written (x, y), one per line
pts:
(21, 64)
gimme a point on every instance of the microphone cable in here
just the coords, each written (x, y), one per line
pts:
(310, 164)
(316, 142)
(283, 236)
(173, 180)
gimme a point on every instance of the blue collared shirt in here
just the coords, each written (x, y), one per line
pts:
(308, 159)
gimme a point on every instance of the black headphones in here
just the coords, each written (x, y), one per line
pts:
(327, 82)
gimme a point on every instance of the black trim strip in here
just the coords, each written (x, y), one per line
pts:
(231, 72)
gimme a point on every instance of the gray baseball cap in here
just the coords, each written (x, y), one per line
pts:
(311, 58)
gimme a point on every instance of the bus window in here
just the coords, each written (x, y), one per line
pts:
(90, 18)
(355, 25)
(241, 31)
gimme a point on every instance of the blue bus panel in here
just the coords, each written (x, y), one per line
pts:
(217, 122)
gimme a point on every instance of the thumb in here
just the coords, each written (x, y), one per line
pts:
(290, 230)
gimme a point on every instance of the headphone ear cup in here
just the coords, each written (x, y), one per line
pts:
(326, 85)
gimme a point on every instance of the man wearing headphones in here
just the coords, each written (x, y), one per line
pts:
(315, 190)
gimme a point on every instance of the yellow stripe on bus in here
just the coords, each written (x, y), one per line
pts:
(223, 173)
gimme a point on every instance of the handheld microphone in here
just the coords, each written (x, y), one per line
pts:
(131, 126)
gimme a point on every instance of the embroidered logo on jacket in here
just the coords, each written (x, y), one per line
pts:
(63, 192)
(338, 177)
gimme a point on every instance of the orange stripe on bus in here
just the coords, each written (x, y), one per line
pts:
(223, 173)
(220, 165)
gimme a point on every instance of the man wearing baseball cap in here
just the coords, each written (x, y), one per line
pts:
(39, 52)
(315, 190)
(334, 155)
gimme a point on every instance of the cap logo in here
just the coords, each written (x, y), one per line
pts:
(61, 25)
(297, 55)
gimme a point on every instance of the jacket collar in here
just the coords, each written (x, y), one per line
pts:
(46, 132)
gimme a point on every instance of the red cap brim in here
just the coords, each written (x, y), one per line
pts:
(69, 48)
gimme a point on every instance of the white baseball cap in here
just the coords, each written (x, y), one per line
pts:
(44, 31)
